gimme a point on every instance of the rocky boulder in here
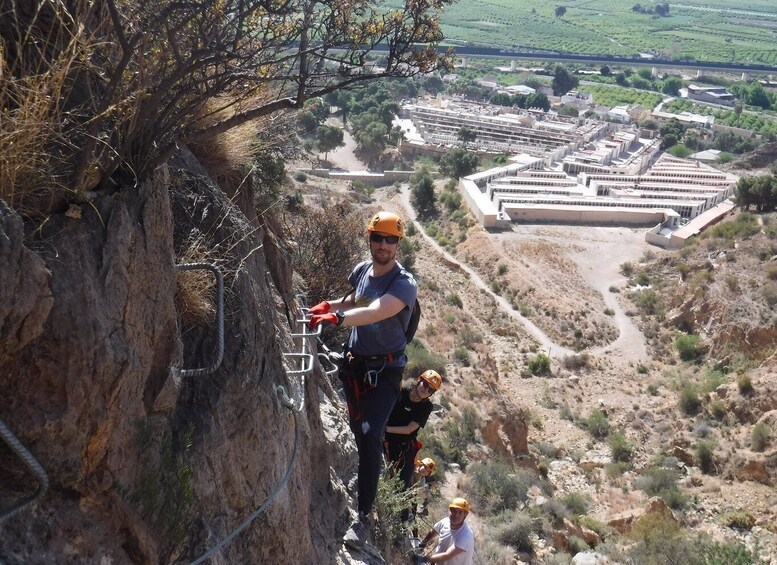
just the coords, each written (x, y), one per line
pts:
(145, 465)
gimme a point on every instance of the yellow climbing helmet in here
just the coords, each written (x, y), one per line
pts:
(388, 223)
(432, 378)
(460, 503)
(429, 463)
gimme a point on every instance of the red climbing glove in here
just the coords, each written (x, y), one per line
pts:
(321, 308)
(317, 319)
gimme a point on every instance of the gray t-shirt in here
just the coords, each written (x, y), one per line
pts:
(386, 336)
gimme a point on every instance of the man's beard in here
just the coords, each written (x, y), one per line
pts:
(383, 258)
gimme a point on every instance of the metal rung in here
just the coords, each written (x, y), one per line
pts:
(219, 318)
(333, 370)
(306, 369)
(306, 333)
(32, 464)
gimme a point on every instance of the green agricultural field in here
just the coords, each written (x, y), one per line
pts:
(753, 121)
(695, 29)
(617, 96)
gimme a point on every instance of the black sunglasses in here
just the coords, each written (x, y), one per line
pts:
(377, 238)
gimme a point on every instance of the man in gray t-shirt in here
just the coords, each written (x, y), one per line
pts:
(378, 312)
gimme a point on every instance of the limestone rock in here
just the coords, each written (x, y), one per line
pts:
(589, 558)
(683, 455)
(624, 521)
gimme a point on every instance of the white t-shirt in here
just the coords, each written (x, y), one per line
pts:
(462, 538)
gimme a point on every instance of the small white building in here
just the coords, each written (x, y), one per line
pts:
(713, 94)
(518, 89)
(620, 114)
(579, 100)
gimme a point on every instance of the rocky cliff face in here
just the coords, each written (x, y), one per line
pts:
(147, 466)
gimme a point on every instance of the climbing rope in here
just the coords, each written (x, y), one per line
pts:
(288, 403)
(32, 464)
(219, 318)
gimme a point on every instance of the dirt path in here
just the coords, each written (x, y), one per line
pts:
(344, 157)
(554, 350)
(599, 252)
(604, 250)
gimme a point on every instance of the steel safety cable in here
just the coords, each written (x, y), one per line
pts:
(288, 403)
(32, 464)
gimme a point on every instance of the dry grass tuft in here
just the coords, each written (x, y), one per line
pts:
(195, 296)
(227, 155)
(31, 116)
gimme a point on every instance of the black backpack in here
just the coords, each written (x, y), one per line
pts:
(415, 313)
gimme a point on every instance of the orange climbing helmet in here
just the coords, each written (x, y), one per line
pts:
(432, 378)
(388, 223)
(460, 503)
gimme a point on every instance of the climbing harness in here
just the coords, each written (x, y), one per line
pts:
(32, 464)
(219, 318)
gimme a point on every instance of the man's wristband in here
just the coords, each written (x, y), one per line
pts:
(340, 317)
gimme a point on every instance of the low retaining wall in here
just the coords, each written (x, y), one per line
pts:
(371, 179)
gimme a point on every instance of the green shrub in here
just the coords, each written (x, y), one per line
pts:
(576, 503)
(461, 354)
(496, 487)
(642, 369)
(391, 503)
(621, 448)
(662, 481)
(614, 470)
(627, 269)
(745, 384)
(769, 292)
(731, 553)
(732, 282)
(454, 300)
(501, 269)
(642, 279)
(712, 380)
(597, 424)
(717, 409)
(515, 531)
(469, 336)
(300, 176)
(565, 412)
(689, 400)
(659, 541)
(739, 519)
(593, 524)
(760, 436)
(546, 449)
(690, 347)
(609, 312)
(649, 302)
(419, 359)
(724, 157)
(539, 365)
(705, 456)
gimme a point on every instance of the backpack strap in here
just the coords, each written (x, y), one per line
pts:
(366, 267)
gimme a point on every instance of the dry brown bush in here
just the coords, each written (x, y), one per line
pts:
(31, 118)
(195, 290)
